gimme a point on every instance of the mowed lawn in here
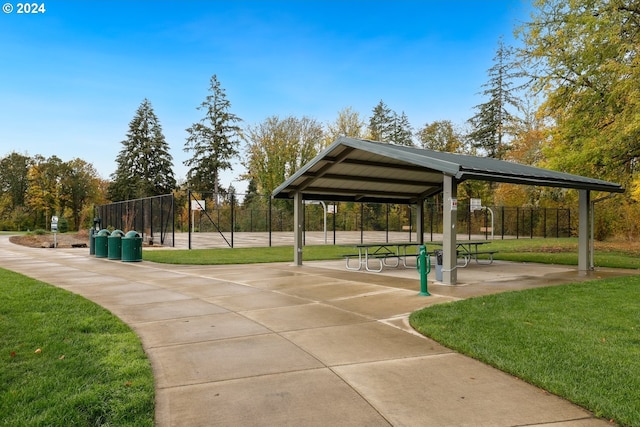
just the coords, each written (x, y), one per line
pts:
(547, 251)
(67, 361)
(579, 341)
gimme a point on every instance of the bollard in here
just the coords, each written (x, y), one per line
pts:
(424, 266)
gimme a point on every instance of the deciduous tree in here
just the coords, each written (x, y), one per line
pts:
(43, 191)
(441, 135)
(13, 180)
(277, 148)
(584, 57)
(348, 123)
(80, 185)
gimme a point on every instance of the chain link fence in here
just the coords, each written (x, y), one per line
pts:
(152, 217)
(206, 219)
(216, 220)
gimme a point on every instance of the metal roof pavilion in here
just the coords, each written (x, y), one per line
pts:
(369, 171)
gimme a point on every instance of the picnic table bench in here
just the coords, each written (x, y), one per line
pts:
(380, 252)
(468, 249)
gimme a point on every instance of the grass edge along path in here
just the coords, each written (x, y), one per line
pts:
(548, 251)
(578, 341)
(68, 361)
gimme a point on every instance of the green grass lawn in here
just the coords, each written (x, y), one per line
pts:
(67, 361)
(563, 251)
(579, 341)
(548, 251)
(244, 255)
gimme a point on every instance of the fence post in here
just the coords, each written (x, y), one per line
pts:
(486, 228)
(361, 223)
(468, 210)
(335, 212)
(189, 215)
(173, 218)
(431, 215)
(269, 220)
(151, 220)
(387, 225)
(232, 218)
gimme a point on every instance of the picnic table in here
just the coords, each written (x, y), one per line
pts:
(468, 249)
(379, 255)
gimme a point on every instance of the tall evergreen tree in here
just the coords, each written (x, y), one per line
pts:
(490, 121)
(213, 140)
(144, 163)
(401, 133)
(381, 123)
(385, 125)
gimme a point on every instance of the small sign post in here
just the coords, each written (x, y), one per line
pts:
(54, 229)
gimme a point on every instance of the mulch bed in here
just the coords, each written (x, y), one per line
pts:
(63, 240)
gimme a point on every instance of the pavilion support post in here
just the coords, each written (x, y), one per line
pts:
(584, 232)
(420, 221)
(449, 232)
(298, 215)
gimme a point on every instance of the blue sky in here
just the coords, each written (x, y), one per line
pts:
(73, 76)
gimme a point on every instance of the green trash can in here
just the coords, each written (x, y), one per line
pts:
(102, 249)
(114, 243)
(132, 247)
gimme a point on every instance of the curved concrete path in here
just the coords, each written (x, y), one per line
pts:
(279, 345)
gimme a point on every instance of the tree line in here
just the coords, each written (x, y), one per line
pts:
(566, 99)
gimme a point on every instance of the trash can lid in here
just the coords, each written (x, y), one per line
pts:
(117, 233)
(132, 235)
(103, 232)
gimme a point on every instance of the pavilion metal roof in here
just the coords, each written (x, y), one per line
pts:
(369, 171)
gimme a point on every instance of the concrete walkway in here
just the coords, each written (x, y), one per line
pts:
(279, 345)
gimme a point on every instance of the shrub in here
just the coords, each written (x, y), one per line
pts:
(63, 225)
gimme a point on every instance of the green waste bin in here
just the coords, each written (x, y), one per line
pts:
(102, 249)
(114, 243)
(132, 247)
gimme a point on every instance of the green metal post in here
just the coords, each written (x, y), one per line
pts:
(424, 266)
